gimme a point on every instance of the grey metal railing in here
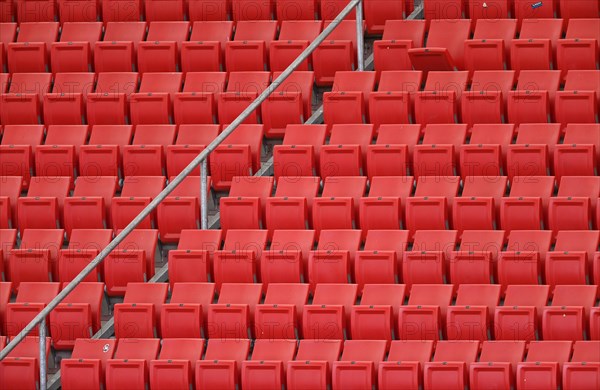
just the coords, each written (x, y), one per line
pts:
(40, 318)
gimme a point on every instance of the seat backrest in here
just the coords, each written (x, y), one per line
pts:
(530, 241)
(76, 135)
(255, 240)
(576, 295)
(335, 294)
(384, 240)
(396, 186)
(578, 240)
(37, 292)
(30, 83)
(196, 134)
(90, 238)
(494, 80)
(202, 293)
(8, 32)
(105, 186)
(586, 351)
(111, 135)
(348, 81)
(168, 31)
(161, 82)
(154, 135)
(384, 294)
(549, 351)
(117, 82)
(46, 32)
(248, 82)
(447, 81)
(502, 351)
(453, 134)
(352, 134)
(400, 80)
(244, 293)
(145, 239)
(70, 83)
(144, 186)
(405, 30)
(411, 351)
(29, 348)
(220, 31)
(100, 349)
(485, 186)
(364, 350)
(323, 350)
(437, 186)
(182, 349)
(45, 186)
(155, 293)
(345, 31)
(305, 30)
(450, 34)
(431, 294)
(287, 293)
(296, 240)
(143, 349)
(125, 31)
(278, 350)
(347, 186)
(256, 30)
(583, 28)
(583, 80)
(479, 294)
(259, 187)
(192, 239)
(435, 240)
(583, 133)
(542, 186)
(527, 295)
(483, 240)
(587, 186)
(303, 186)
(206, 82)
(505, 29)
(305, 135)
(339, 240)
(542, 29)
(227, 349)
(456, 351)
(51, 239)
(81, 32)
(488, 133)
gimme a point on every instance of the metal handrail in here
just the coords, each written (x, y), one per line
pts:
(201, 158)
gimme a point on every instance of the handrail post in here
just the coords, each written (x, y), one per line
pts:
(43, 371)
(360, 37)
(203, 195)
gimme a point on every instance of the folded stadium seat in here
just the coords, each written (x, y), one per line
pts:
(8, 240)
(242, 89)
(568, 316)
(376, 316)
(328, 317)
(291, 206)
(249, 50)
(129, 366)
(347, 150)
(537, 81)
(423, 316)
(438, 154)
(395, 86)
(89, 207)
(431, 204)
(526, 188)
(280, 317)
(59, 156)
(87, 364)
(186, 314)
(490, 47)
(333, 261)
(20, 368)
(445, 46)
(247, 197)
(268, 365)
(378, 12)
(581, 139)
(476, 260)
(238, 260)
(337, 53)
(299, 154)
(32, 297)
(290, 103)
(84, 246)
(131, 262)
(137, 193)
(164, 10)
(486, 154)
(338, 206)
(191, 261)
(74, 51)
(404, 364)
(102, 156)
(573, 207)
(146, 154)
(479, 206)
(528, 106)
(176, 363)
(191, 140)
(495, 81)
(348, 100)
(142, 306)
(579, 49)
(152, 104)
(536, 46)
(233, 314)
(8, 32)
(393, 151)
(532, 153)
(197, 103)
(383, 208)
(118, 51)
(109, 104)
(122, 10)
(426, 263)
(572, 259)
(576, 104)
(77, 316)
(287, 259)
(23, 102)
(380, 261)
(222, 363)
(18, 147)
(520, 316)
(358, 366)
(312, 365)
(583, 368)
(450, 365)
(5, 292)
(160, 51)
(35, 260)
(205, 51)
(441, 95)
(42, 208)
(391, 52)
(10, 190)
(543, 365)
(497, 364)
(66, 104)
(472, 316)
(294, 37)
(31, 52)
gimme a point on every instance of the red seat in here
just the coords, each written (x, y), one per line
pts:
(394, 100)
(382, 209)
(378, 12)
(18, 146)
(10, 190)
(490, 47)
(438, 154)
(73, 53)
(568, 317)
(280, 316)
(241, 253)
(477, 258)
(337, 53)
(528, 9)
(312, 365)
(186, 314)
(346, 153)
(32, 297)
(571, 261)
(131, 262)
(192, 260)
(579, 49)
(246, 10)
(426, 263)
(450, 364)
(337, 208)
(8, 240)
(331, 8)
(59, 156)
(391, 52)
(479, 206)
(137, 193)
(20, 369)
(205, 51)
(222, 363)
(487, 151)
(573, 207)
(103, 155)
(349, 97)
(376, 316)
(583, 368)
(35, 261)
(191, 140)
(495, 81)
(294, 37)
(299, 154)
(471, 316)
(176, 363)
(198, 103)
(576, 103)
(118, 51)
(66, 104)
(358, 364)
(425, 313)
(392, 154)
(520, 317)
(381, 259)
(122, 10)
(84, 246)
(31, 52)
(543, 365)
(42, 207)
(267, 367)
(291, 206)
(296, 10)
(287, 259)
(536, 46)
(160, 51)
(87, 364)
(242, 89)
(129, 366)
(233, 314)
(141, 306)
(525, 208)
(146, 155)
(576, 156)
(156, 10)
(153, 103)
(250, 46)
(497, 364)
(441, 95)
(109, 104)
(333, 261)
(329, 314)
(77, 316)
(22, 103)
(245, 207)
(404, 364)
